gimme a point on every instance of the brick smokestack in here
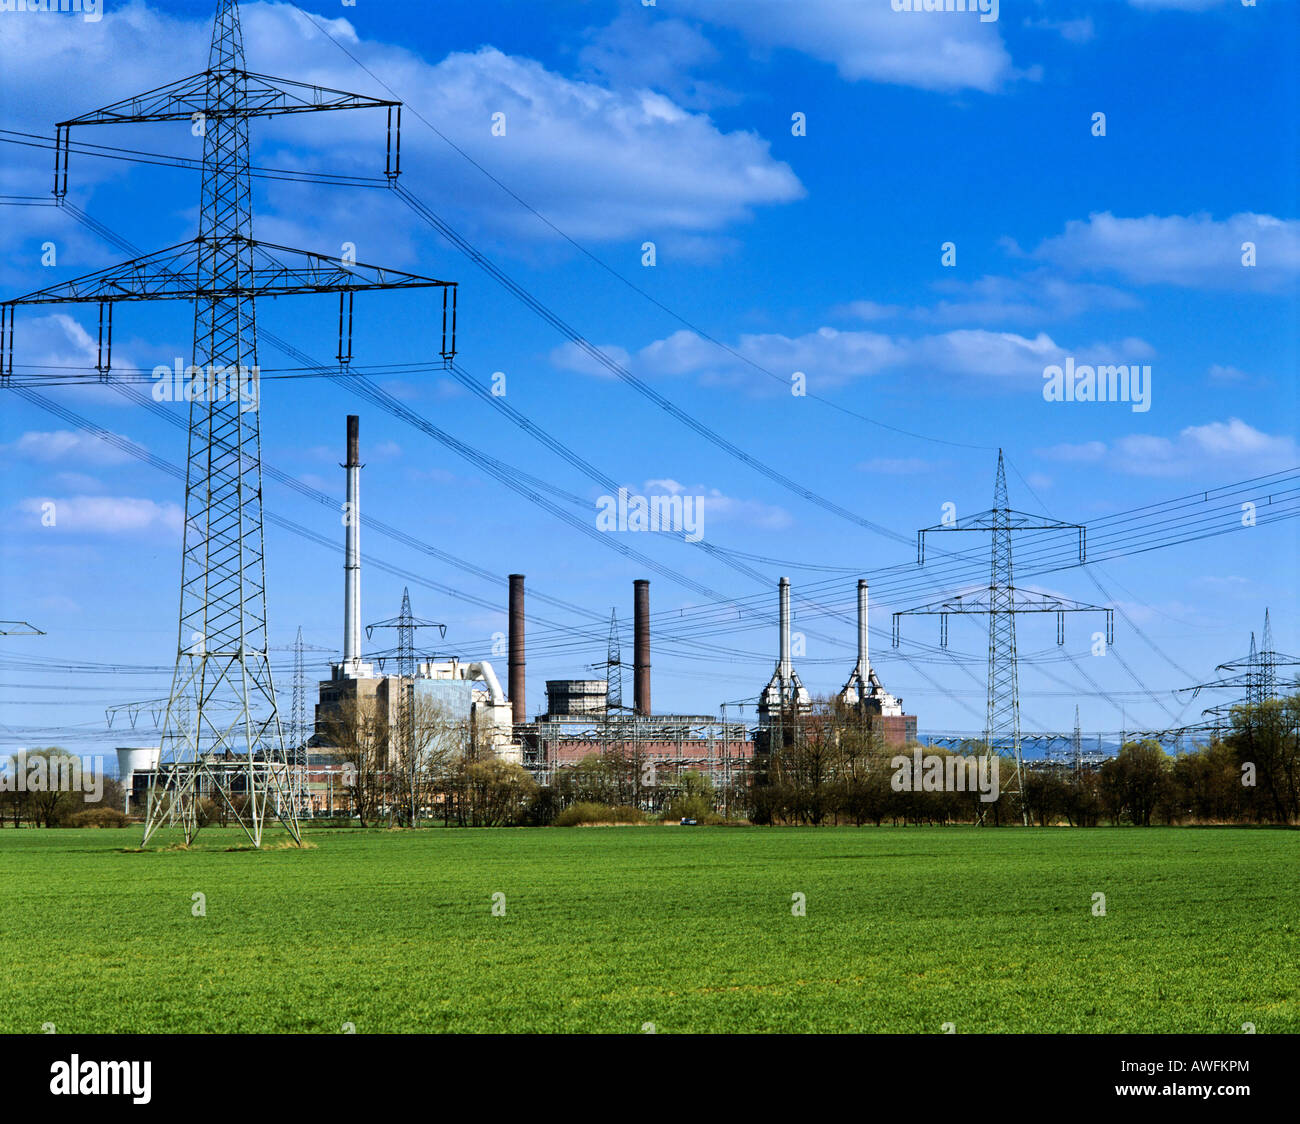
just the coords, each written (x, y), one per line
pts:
(641, 645)
(515, 668)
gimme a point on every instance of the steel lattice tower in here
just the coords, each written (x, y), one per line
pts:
(614, 668)
(1002, 723)
(223, 641)
(406, 624)
(1256, 674)
(222, 734)
(1001, 601)
(298, 722)
(1267, 664)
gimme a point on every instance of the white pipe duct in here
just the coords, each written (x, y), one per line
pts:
(484, 672)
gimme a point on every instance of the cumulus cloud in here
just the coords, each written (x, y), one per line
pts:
(1033, 297)
(829, 357)
(717, 507)
(57, 345)
(872, 42)
(67, 446)
(108, 515)
(642, 49)
(1195, 251)
(601, 161)
(1072, 31)
(1228, 443)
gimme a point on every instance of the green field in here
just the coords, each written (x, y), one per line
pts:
(690, 929)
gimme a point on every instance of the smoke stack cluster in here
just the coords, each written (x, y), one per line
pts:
(641, 646)
(515, 661)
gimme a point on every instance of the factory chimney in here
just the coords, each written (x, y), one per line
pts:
(515, 659)
(785, 629)
(352, 553)
(784, 690)
(641, 645)
(864, 663)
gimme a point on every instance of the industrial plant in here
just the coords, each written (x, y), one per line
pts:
(389, 689)
(389, 711)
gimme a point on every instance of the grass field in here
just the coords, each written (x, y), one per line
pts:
(691, 929)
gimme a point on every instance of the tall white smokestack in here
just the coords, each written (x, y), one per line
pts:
(864, 663)
(785, 629)
(352, 553)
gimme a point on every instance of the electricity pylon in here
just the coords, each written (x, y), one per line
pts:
(222, 735)
(406, 749)
(1255, 674)
(613, 668)
(1001, 601)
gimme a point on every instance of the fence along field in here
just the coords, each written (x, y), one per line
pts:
(678, 929)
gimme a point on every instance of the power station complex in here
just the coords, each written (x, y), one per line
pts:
(581, 718)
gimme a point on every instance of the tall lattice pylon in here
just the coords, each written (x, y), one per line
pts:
(1256, 674)
(403, 750)
(613, 666)
(1001, 601)
(222, 736)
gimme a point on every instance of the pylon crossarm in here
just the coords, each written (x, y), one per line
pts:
(266, 96)
(176, 101)
(153, 276)
(1003, 518)
(982, 601)
(172, 274)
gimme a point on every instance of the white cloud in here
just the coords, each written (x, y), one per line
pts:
(1230, 443)
(1035, 297)
(644, 50)
(68, 446)
(1072, 31)
(58, 346)
(870, 41)
(600, 162)
(718, 507)
(111, 515)
(1194, 251)
(829, 357)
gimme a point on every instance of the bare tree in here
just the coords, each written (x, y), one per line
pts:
(358, 729)
(421, 769)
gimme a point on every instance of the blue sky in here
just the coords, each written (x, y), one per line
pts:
(818, 253)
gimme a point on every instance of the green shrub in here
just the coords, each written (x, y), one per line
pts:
(588, 812)
(100, 817)
(691, 808)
